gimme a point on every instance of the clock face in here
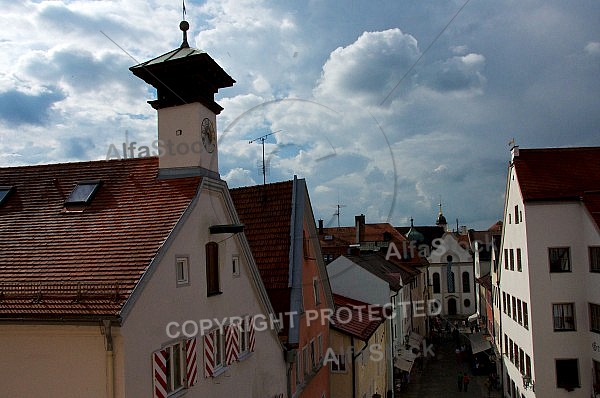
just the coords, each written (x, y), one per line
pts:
(209, 138)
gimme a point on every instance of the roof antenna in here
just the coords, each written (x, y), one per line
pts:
(262, 140)
(184, 26)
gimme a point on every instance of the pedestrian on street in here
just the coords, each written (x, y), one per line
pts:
(460, 380)
(466, 380)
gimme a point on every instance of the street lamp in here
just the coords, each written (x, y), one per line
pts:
(528, 383)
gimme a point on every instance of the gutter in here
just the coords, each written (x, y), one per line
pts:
(106, 331)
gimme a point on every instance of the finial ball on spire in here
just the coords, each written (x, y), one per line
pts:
(184, 26)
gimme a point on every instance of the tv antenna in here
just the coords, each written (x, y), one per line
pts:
(262, 140)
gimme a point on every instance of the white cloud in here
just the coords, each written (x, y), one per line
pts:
(592, 48)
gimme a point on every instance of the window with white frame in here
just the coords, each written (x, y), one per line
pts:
(564, 316)
(313, 355)
(173, 369)
(560, 259)
(525, 316)
(182, 271)
(235, 265)
(339, 364)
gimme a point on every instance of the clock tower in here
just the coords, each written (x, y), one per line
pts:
(186, 80)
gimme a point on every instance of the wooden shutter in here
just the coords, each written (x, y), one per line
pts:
(232, 343)
(191, 362)
(159, 373)
(209, 354)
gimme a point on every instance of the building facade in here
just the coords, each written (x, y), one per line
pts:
(549, 272)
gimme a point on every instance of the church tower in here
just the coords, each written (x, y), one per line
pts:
(186, 80)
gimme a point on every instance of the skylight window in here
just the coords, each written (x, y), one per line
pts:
(83, 193)
(4, 192)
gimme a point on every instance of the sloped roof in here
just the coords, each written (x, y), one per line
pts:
(557, 173)
(393, 272)
(430, 232)
(373, 232)
(357, 321)
(485, 281)
(83, 261)
(560, 174)
(266, 212)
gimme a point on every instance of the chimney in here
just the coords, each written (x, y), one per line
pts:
(320, 227)
(359, 223)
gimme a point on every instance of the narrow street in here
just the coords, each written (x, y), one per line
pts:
(439, 377)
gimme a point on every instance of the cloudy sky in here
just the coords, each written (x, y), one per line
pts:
(383, 106)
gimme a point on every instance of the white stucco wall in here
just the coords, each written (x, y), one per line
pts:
(550, 224)
(262, 374)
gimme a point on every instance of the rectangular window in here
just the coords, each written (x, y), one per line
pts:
(244, 334)
(512, 259)
(305, 360)
(527, 365)
(519, 261)
(505, 258)
(83, 193)
(521, 360)
(525, 316)
(320, 341)
(596, 377)
(299, 372)
(516, 214)
(564, 316)
(212, 269)
(339, 364)
(594, 253)
(514, 309)
(519, 312)
(182, 270)
(235, 265)
(595, 318)
(316, 293)
(567, 374)
(219, 351)
(505, 344)
(313, 355)
(560, 259)
(504, 302)
(5, 191)
(171, 365)
(511, 351)
(516, 349)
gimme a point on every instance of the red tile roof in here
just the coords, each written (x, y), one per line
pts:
(266, 212)
(558, 173)
(86, 262)
(358, 321)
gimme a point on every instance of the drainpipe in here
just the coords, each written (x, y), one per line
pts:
(353, 368)
(110, 364)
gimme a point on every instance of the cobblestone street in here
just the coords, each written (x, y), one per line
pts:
(439, 377)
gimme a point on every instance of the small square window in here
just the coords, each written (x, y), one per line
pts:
(560, 259)
(564, 316)
(182, 270)
(5, 191)
(83, 192)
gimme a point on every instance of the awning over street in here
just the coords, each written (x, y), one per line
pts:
(415, 340)
(405, 360)
(480, 342)
(472, 318)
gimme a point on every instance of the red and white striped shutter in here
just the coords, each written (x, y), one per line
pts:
(191, 362)
(251, 338)
(159, 373)
(209, 354)
(232, 343)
